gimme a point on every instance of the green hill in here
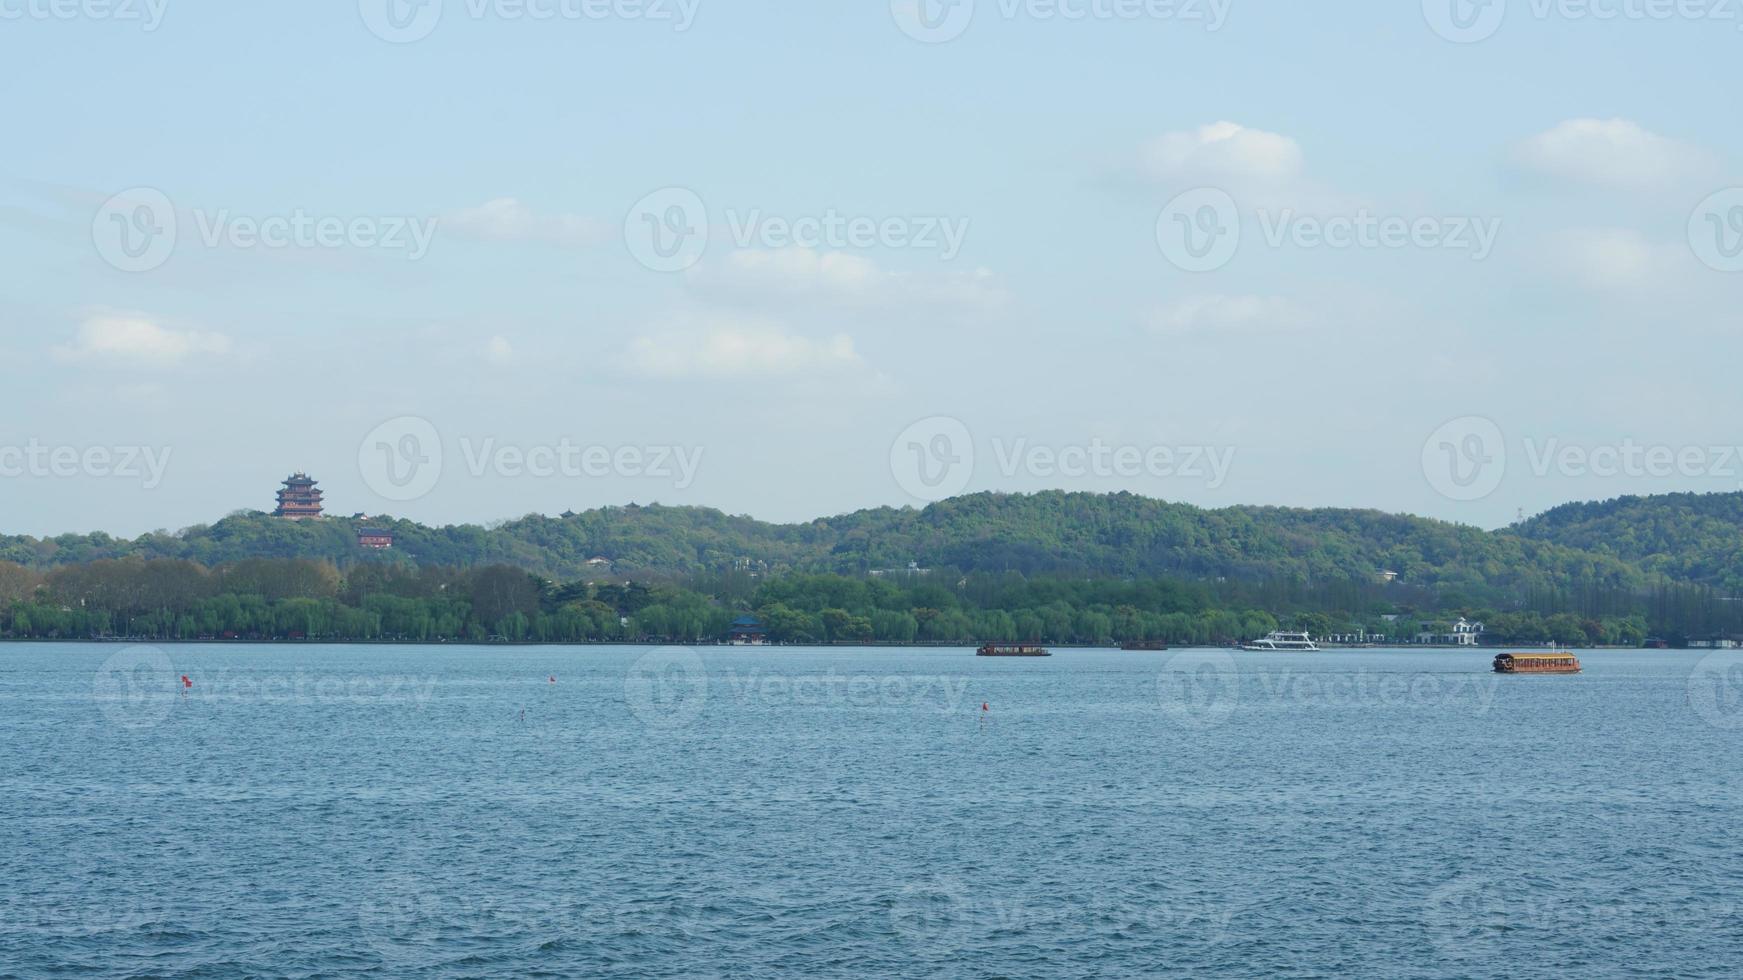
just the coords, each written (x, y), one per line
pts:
(1682, 536)
(1055, 533)
(1061, 567)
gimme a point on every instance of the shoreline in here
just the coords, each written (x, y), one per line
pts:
(491, 644)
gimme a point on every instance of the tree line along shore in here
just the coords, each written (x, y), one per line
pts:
(1053, 567)
(294, 599)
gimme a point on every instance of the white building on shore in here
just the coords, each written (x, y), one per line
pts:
(1463, 633)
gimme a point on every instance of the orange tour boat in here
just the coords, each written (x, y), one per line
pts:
(1537, 663)
(1013, 650)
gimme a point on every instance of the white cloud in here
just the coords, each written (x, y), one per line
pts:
(506, 219)
(499, 351)
(1223, 151)
(1613, 153)
(1217, 313)
(1615, 259)
(844, 279)
(748, 348)
(800, 270)
(137, 341)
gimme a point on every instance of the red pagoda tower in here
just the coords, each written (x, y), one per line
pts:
(300, 499)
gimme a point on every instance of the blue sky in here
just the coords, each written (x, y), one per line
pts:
(1056, 341)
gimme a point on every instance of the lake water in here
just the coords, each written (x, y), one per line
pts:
(850, 812)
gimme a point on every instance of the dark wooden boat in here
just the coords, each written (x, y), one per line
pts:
(1013, 650)
(1537, 663)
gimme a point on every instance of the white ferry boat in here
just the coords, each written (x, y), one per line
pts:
(1282, 641)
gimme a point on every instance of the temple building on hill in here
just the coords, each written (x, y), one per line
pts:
(374, 538)
(300, 499)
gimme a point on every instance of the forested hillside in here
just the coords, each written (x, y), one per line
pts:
(1052, 566)
(1053, 533)
(1683, 536)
